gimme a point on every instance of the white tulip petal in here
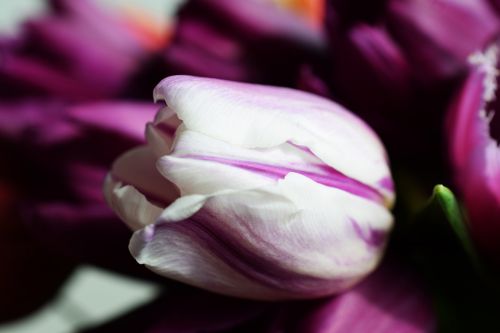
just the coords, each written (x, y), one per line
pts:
(283, 241)
(130, 205)
(256, 116)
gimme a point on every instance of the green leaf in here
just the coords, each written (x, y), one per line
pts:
(443, 199)
(439, 242)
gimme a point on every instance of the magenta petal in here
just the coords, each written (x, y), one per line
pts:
(58, 155)
(370, 53)
(390, 300)
(251, 41)
(439, 35)
(474, 152)
(79, 51)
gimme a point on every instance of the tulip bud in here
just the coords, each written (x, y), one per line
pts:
(473, 129)
(283, 194)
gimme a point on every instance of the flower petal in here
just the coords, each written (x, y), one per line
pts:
(475, 155)
(390, 300)
(275, 242)
(255, 116)
(136, 191)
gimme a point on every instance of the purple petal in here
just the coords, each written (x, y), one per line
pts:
(474, 150)
(60, 53)
(438, 36)
(59, 154)
(252, 41)
(369, 52)
(390, 300)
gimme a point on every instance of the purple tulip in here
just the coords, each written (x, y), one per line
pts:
(250, 41)
(473, 133)
(438, 35)
(79, 51)
(367, 62)
(283, 194)
(58, 156)
(399, 69)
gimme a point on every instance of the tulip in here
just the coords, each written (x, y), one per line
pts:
(78, 51)
(399, 69)
(369, 51)
(251, 41)
(263, 193)
(437, 36)
(70, 147)
(473, 132)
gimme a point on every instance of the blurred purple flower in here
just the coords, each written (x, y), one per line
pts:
(58, 158)
(251, 41)
(399, 69)
(78, 51)
(437, 36)
(473, 134)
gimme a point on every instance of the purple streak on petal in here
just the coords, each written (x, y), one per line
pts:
(387, 184)
(324, 174)
(204, 230)
(372, 237)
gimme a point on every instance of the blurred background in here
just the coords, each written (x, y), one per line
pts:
(90, 296)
